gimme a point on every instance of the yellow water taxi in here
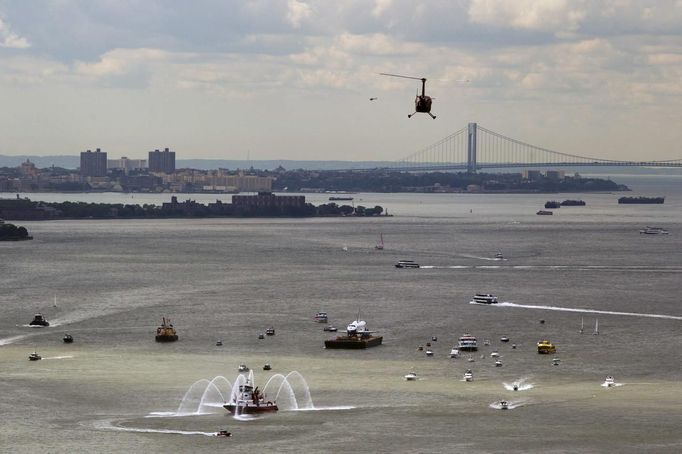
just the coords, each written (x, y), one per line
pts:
(546, 347)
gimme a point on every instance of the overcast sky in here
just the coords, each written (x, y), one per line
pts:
(291, 79)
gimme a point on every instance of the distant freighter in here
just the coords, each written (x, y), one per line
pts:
(641, 200)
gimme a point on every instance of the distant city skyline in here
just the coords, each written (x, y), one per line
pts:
(292, 79)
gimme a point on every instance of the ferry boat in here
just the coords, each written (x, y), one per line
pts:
(249, 400)
(654, 231)
(406, 264)
(467, 343)
(357, 337)
(166, 332)
(546, 347)
(484, 298)
(34, 357)
(321, 317)
(68, 339)
(39, 320)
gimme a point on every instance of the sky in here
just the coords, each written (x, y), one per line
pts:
(291, 79)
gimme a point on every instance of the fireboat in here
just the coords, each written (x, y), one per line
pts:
(166, 332)
(250, 400)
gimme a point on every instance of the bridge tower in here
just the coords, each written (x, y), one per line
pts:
(471, 149)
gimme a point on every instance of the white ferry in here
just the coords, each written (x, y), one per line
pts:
(484, 298)
(467, 343)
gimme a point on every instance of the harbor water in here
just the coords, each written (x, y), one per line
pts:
(109, 283)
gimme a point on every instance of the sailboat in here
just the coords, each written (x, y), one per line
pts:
(582, 325)
(380, 244)
(596, 327)
(55, 301)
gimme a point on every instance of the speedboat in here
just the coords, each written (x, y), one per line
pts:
(223, 433)
(34, 357)
(434, 339)
(270, 331)
(454, 353)
(504, 405)
(429, 352)
(555, 361)
(468, 375)
(467, 343)
(504, 339)
(498, 363)
(321, 317)
(420, 348)
(494, 354)
(546, 347)
(330, 328)
(515, 387)
(39, 320)
(411, 376)
(499, 256)
(261, 336)
(406, 264)
(484, 298)
(609, 382)
(219, 343)
(68, 339)
(243, 368)
(654, 231)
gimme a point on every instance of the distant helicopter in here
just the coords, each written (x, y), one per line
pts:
(422, 103)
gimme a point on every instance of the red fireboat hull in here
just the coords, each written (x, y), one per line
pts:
(251, 409)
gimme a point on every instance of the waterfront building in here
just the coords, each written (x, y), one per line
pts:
(94, 164)
(162, 161)
(554, 174)
(126, 164)
(268, 199)
(531, 175)
(29, 169)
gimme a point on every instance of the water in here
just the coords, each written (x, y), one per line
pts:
(114, 388)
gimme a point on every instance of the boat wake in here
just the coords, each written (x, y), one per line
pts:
(109, 425)
(334, 408)
(59, 357)
(520, 385)
(611, 385)
(13, 339)
(585, 311)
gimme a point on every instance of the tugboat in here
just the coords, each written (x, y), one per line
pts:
(321, 317)
(39, 320)
(166, 332)
(34, 356)
(249, 400)
(468, 375)
(546, 347)
(68, 339)
(357, 337)
(270, 331)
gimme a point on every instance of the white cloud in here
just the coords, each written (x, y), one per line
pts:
(545, 15)
(297, 12)
(10, 39)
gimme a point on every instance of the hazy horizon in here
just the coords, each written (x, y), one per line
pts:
(292, 79)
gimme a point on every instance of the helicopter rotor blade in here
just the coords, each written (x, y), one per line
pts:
(404, 77)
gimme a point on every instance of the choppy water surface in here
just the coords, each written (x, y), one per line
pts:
(116, 390)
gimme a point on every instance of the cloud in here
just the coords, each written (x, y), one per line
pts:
(546, 15)
(297, 12)
(9, 39)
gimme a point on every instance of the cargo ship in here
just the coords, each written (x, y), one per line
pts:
(573, 203)
(627, 200)
(166, 332)
(357, 337)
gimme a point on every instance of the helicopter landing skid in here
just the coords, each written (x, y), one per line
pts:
(432, 115)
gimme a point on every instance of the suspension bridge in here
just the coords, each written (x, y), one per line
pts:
(475, 147)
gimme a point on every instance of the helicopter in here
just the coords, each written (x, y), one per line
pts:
(422, 103)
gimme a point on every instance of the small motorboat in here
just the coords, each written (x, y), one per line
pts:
(504, 405)
(270, 331)
(515, 387)
(486, 342)
(471, 359)
(428, 344)
(498, 363)
(468, 375)
(555, 361)
(321, 317)
(219, 343)
(420, 348)
(434, 339)
(39, 320)
(243, 368)
(609, 382)
(454, 353)
(411, 376)
(429, 352)
(267, 366)
(223, 433)
(499, 256)
(406, 264)
(68, 339)
(34, 357)
(504, 339)
(261, 336)
(513, 346)
(330, 328)
(495, 354)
